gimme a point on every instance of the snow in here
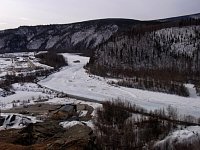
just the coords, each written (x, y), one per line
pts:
(41, 52)
(25, 93)
(52, 41)
(19, 63)
(18, 86)
(74, 80)
(191, 89)
(80, 36)
(89, 123)
(102, 34)
(83, 113)
(19, 98)
(68, 124)
(184, 34)
(187, 136)
(35, 44)
(93, 35)
(4, 63)
(16, 121)
(32, 87)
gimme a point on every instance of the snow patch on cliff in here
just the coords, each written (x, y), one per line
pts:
(52, 41)
(35, 44)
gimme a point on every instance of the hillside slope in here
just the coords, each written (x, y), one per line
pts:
(169, 48)
(77, 37)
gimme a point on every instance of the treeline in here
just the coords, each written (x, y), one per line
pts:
(154, 85)
(197, 87)
(52, 59)
(175, 50)
(158, 25)
(159, 81)
(157, 74)
(164, 52)
(120, 126)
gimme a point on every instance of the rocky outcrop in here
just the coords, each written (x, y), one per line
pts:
(15, 121)
(49, 135)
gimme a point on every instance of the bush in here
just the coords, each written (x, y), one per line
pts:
(52, 59)
(115, 130)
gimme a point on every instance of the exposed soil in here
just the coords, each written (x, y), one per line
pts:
(33, 109)
(49, 135)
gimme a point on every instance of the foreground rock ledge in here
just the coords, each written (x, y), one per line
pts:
(48, 135)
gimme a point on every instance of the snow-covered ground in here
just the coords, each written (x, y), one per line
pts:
(74, 80)
(185, 137)
(25, 93)
(4, 63)
(16, 121)
(20, 63)
(68, 124)
(20, 98)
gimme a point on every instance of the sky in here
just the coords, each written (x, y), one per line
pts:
(15, 13)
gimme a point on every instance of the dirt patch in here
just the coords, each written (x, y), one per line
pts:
(36, 109)
(48, 135)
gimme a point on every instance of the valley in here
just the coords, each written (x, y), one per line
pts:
(75, 80)
(101, 84)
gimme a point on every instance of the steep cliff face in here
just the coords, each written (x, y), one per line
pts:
(76, 37)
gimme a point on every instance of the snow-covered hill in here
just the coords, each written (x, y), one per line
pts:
(76, 37)
(176, 49)
(70, 37)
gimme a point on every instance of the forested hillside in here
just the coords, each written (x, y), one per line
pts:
(157, 56)
(171, 49)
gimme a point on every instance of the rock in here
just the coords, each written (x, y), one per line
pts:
(76, 137)
(64, 112)
(2, 119)
(76, 61)
(39, 132)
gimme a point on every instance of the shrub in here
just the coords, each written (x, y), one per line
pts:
(52, 59)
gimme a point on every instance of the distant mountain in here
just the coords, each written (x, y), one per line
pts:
(194, 16)
(163, 46)
(77, 37)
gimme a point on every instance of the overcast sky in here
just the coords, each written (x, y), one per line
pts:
(14, 13)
